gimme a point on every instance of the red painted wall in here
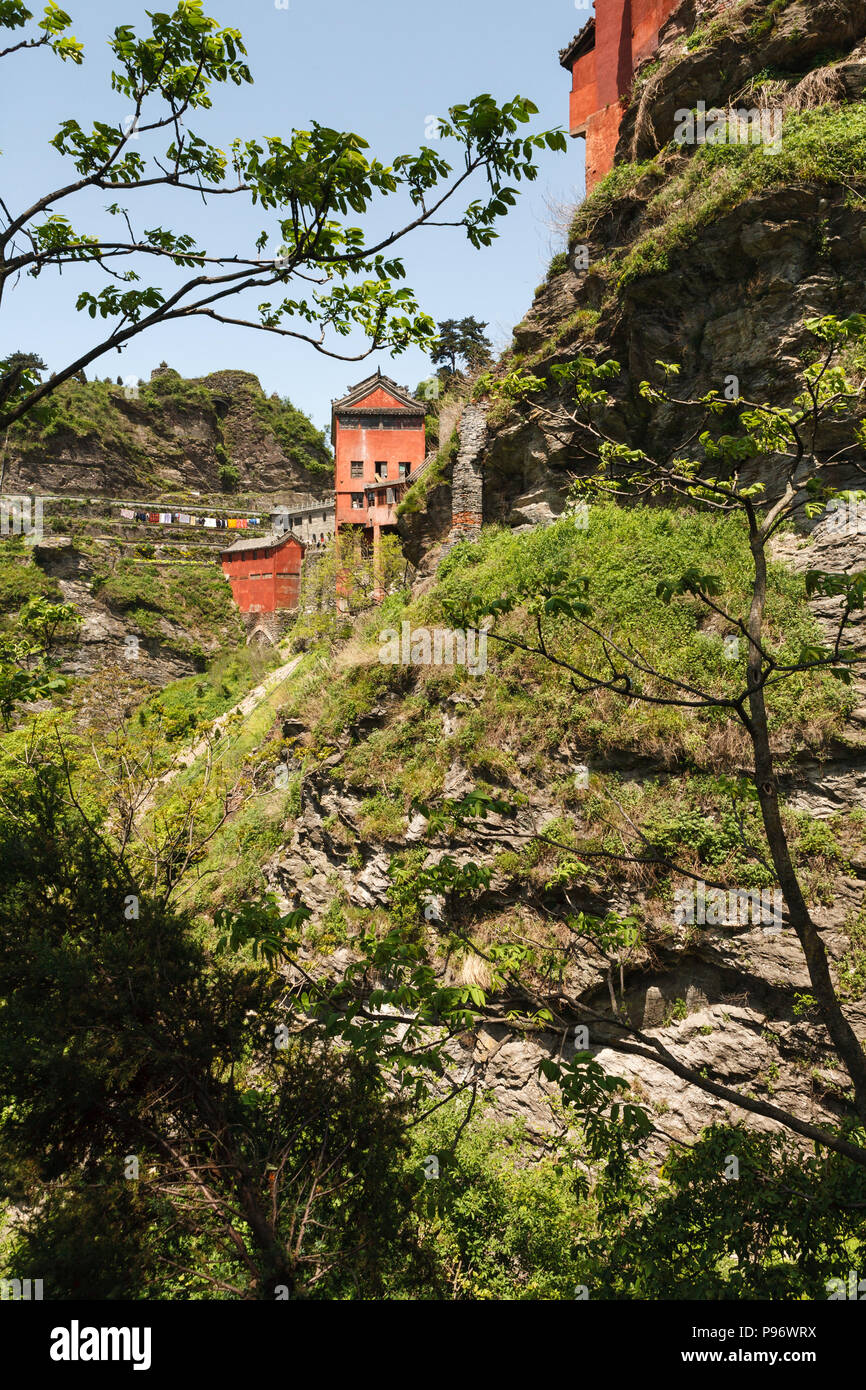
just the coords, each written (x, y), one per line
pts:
(626, 32)
(370, 446)
(584, 93)
(602, 135)
(278, 576)
(613, 56)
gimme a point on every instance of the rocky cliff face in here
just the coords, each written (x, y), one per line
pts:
(216, 434)
(705, 256)
(148, 624)
(713, 263)
(722, 52)
(727, 997)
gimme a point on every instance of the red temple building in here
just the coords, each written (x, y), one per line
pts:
(379, 447)
(602, 59)
(379, 441)
(264, 572)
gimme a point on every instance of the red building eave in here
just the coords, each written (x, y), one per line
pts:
(404, 401)
(580, 44)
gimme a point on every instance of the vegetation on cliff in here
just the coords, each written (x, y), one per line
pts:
(405, 976)
(172, 432)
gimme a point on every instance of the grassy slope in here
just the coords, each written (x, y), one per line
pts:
(825, 146)
(521, 729)
(193, 599)
(194, 596)
(624, 554)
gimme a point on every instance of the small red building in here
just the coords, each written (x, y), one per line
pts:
(602, 59)
(264, 572)
(378, 435)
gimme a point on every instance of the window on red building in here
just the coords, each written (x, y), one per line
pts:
(357, 470)
(357, 501)
(381, 470)
(403, 470)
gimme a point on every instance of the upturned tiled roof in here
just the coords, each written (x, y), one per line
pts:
(269, 541)
(370, 383)
(580, 44)
(406, 401)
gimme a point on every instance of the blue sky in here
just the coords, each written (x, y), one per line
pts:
(381, 69)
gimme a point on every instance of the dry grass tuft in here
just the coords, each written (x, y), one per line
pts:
(822, 87)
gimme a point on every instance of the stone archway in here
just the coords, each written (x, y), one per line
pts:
(263, 629)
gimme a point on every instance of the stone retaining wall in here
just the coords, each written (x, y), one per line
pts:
(467, 488)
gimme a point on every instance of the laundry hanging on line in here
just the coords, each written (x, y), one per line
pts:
(221, 523)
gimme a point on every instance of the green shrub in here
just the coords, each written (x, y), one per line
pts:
(501, 1220)
(229, 474)
(21, 579)
(826, 145)
(416, 498)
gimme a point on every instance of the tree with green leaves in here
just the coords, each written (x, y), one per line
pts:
(461, 346)
(242, 1116)
(20, 373)
(737, 1215)
(28, 666)
(311, 273)
(48, 623)
(344, 571)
